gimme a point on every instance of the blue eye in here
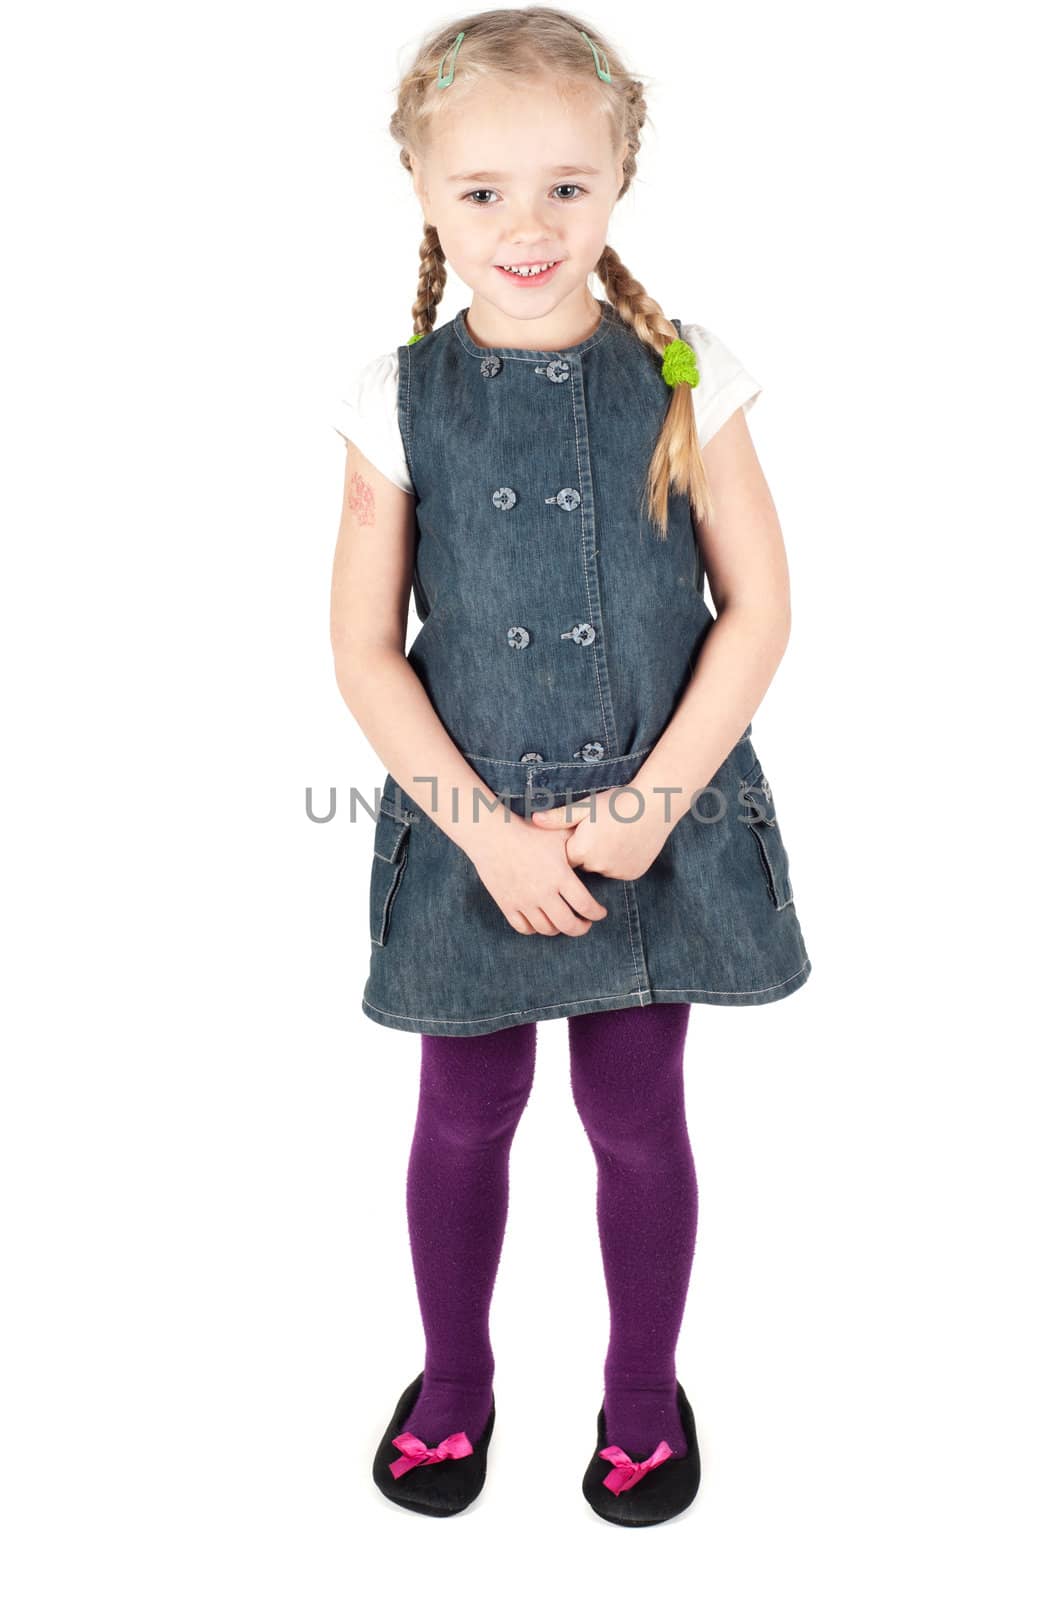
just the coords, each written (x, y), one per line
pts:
(479, 207)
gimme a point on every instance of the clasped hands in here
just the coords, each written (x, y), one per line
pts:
(528, 865)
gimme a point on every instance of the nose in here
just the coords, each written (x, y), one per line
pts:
(528, 229)
(528, 239)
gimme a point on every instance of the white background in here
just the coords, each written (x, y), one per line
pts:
(210, 1307)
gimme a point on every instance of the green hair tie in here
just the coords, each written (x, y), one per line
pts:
(680, 364)
(414, 338)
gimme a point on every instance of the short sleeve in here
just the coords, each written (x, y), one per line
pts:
(367, 414)
(723, 383)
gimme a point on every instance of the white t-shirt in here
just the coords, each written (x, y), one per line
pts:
(367, 414)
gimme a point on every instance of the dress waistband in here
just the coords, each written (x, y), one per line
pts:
(521, 779)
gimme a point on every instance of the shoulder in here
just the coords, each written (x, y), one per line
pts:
(377, 376)
(366, 413)
(723, 384)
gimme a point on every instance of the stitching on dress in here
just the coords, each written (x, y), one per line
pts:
(631, 904)
(536, 1011)
(610, 318)
(595, 615)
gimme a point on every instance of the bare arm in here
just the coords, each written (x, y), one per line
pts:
(745, 562)
(372, 577)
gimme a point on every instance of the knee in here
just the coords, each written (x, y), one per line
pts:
(633, 1131)
(474, 1113)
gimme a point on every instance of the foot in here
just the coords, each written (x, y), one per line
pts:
(639, 1418)
(663, 1489)
(434, 1481)
(446, 1405)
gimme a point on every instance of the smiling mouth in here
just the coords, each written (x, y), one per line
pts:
(529, 269)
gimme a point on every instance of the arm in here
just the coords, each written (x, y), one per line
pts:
(372, 576)
(745, 562)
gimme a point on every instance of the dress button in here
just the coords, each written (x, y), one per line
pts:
(557, 371)
(490, 366)
(593, 751)
(530, 756)
(518, 638)
(504, 498)
(582, 633)
(567, 499)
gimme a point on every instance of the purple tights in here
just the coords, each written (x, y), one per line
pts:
(627, 1083)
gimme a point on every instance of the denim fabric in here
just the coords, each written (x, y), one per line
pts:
(559, 633)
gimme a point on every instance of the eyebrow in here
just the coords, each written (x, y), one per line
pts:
(485, 177)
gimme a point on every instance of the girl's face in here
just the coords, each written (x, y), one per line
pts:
(517, 176)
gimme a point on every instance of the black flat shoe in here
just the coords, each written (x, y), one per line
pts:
(436, 1485)
(637, 1499)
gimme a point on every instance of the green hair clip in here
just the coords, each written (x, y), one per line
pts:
(603, 73)
(444, 83)
(680, 364)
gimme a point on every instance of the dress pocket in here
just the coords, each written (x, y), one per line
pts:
(758, 816)
(390, 852)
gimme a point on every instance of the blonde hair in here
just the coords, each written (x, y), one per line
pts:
(539, 42)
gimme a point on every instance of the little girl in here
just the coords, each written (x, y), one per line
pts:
(574, 821)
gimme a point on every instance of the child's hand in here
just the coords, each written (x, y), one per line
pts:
(617, 847)
(526, 872)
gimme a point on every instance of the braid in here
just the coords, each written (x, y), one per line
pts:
(430, 281)
(634, 116)
(432, 272)
(639, 310)
(677, 460)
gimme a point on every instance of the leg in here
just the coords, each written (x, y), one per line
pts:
(473, 1091)
(627, 1081)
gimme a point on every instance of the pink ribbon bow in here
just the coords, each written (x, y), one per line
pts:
(415, 1452)
(626, 1472)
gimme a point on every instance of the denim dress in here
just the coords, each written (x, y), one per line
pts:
(559, 634)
